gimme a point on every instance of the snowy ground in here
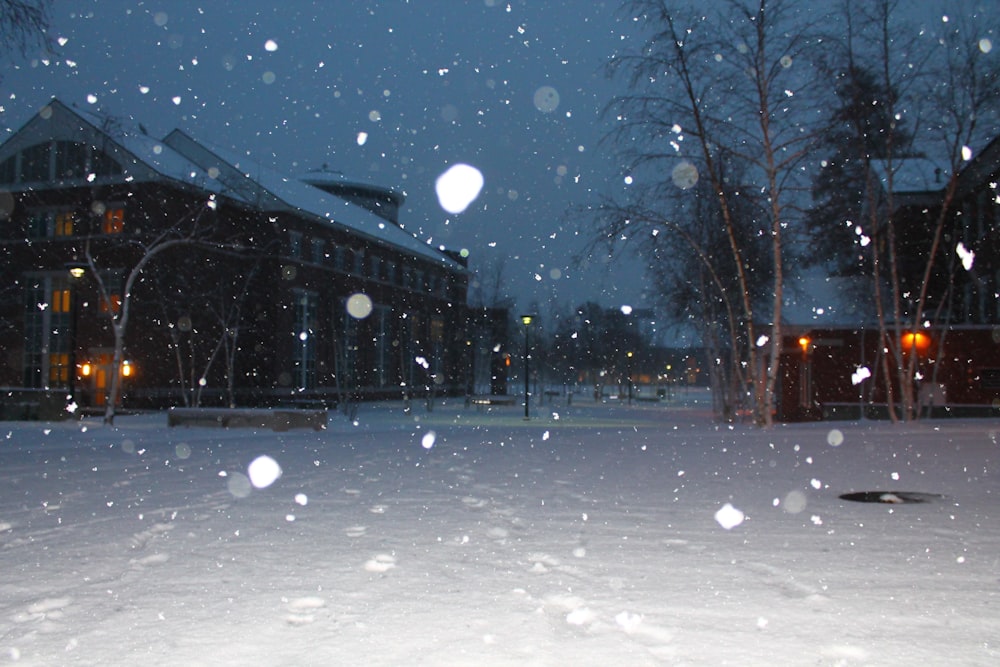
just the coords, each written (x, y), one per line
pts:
(464, 537)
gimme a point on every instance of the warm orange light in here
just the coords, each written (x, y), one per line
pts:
(916, 341)
(85, 370)
(126, 369)
(804, 342)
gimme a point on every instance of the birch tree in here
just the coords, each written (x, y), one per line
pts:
(118, 305)
(732, 85)
(914, 96)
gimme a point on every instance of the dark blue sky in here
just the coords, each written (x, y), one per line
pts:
(429, 83)
(513, 88)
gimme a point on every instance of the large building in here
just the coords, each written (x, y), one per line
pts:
(231, 284)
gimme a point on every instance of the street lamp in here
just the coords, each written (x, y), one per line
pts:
(526, 321)
(76, 272)
(628, 355)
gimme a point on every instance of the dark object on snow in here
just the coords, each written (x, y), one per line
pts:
(273, 418)
(890, 497)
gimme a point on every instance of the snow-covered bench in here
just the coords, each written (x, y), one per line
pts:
(481, 401)
(276, 419)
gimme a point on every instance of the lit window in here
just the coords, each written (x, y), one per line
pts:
(60, 301)
(115, 306)
(58, 369)
(114, 221)
(64, 224)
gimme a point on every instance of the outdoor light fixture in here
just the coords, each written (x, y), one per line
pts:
(628, 355)
(76, 271)
(526, 321)
(916, 341)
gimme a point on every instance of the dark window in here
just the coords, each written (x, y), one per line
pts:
(104, 165)
(35, 163)
(295, 245)
(8, 170)
(71, 159)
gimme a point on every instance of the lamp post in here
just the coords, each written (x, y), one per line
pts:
(526, 321)
(628, 369)
(76, 272)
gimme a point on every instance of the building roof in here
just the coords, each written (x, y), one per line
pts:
(325, 176)
(184, 160)
(268, 190)
(914, 175)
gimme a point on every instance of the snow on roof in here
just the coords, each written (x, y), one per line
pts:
(182, 159)
(325, 175)
(914, 174)
(166, 161)
(141, 156)
(285, 193)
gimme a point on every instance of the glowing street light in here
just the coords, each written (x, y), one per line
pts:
(76, 272)
(628, 369)
(526, 321)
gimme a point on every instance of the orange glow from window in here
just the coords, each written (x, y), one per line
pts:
(85, 370)
(916, 341)
(804, 342)
(114, 221)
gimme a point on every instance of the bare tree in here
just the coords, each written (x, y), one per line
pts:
(24, 23)
(946, 91)
(119, 305)
(730, 86)
(204, 320)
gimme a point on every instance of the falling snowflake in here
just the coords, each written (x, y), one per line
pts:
(729, 517)
(967, 256)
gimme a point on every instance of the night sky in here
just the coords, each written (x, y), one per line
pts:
(391, 92)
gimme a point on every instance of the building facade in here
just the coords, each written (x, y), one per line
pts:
(231, 284)
(841, 371)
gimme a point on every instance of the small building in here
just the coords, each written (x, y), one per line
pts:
(239, 285)
(832, 369)
(838, 373)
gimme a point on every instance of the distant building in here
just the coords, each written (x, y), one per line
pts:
(284, 290)
(831, 362)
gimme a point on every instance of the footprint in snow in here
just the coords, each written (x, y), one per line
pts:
(45, 613)
(302, 611)
(380, 563)
(542, 563)
(152, 559)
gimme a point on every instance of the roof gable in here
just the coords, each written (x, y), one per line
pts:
(141, 158)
